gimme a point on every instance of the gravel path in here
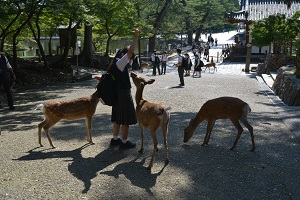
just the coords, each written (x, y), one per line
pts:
(77, 171)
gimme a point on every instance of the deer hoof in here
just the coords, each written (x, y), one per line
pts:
(167, 162)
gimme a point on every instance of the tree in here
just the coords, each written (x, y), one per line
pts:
(113, 18)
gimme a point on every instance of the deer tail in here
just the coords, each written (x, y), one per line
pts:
(39, 107)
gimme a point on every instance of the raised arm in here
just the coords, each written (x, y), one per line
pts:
(133, 44)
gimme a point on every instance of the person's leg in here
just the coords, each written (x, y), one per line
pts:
(126, 144)
(7, 90)
(115, 141)
(125, 129)
(158, 69)
(154, 68)
(180, 72)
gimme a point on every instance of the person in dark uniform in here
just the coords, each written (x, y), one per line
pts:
(123, 113)
(180, 67)
(7, 77)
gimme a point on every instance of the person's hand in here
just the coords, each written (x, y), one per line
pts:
(137, 32)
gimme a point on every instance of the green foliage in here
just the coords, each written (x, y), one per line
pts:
(274, 28)
(114, 18)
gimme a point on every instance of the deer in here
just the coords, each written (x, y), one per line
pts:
(54, 111)
(151, 116)
(209, 65)
(143, 66)
(221, 108)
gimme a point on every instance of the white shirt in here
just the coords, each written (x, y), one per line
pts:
(164, 58)
(122, 62)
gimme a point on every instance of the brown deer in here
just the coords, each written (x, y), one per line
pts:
(221, 108)
(209, 65)
(151, 116)
(55, 111)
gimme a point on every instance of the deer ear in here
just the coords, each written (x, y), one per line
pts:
(150, 81)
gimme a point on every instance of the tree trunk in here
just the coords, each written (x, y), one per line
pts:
(5, 32)
(152, 41)
(189, 31)
(50, 46)
(199, 30)
(15, 35)
(297, 73)
(107, 45)
(38, 41)
(64, 56)
(157, 23)
(87, 55)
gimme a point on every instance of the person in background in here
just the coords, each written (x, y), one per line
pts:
(164, 59)
(123, 114)
(180, 67)
(136, 63)
(197, 67)
(189, 64)
(7, 77)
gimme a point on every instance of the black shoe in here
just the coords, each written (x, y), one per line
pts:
(114, 142)
(127, 145)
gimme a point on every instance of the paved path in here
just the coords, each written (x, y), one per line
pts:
(77, 171)
(74, 171)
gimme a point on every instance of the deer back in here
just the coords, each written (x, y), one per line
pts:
(72, 109)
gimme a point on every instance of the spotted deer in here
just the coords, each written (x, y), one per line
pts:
(78, 108)
(151, 116)
(221, 108)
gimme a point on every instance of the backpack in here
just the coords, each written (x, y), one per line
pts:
(201, 64)
(184, 62)
(107, 90)
(157, 60)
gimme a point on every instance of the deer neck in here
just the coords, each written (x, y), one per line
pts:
(139, 95)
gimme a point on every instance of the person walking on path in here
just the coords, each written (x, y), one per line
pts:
(197, 67)
(155, 63)
(164, 59)
(123, 114)
(7, 77)
(189, 64)
(180, 67)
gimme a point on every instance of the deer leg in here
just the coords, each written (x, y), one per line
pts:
(210, 130)
(47, 127)
(88, 123)
(153, 134)
(240, 130)
(165, 132)
(40, 126)
(250, 128)
(142, 137)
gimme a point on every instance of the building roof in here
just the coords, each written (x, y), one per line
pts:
(253, 10)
